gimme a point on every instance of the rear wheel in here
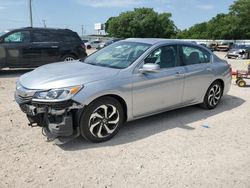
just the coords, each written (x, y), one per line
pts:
(101, 120)
(68, 57)
(213, 95)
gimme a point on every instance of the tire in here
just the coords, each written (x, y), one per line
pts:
(88, 47)
(213, 96)
(237, 80)
(95, 126)
(241, 83)
(68, 57)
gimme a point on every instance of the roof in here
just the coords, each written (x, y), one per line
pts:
(152, 40)
(40, 28)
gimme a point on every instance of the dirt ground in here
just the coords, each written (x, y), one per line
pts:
(189, 147)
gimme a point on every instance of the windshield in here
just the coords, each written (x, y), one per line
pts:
(241, 46)
(118, 55)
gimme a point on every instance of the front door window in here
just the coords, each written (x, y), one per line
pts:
(165, 56)
(18, 37)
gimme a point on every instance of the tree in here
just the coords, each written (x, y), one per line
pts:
(240, 10)
(234, 25)
(107, 23)
(141, 22)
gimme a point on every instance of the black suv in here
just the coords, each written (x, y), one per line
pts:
(32, 47)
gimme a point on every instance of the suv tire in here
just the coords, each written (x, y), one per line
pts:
(68, 57)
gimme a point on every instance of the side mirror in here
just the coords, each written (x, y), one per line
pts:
(150, 68)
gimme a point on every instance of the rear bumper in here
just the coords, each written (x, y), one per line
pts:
(227, 84)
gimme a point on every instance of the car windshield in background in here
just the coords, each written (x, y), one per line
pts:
(118, 55)
(2, 33)
(241, 47)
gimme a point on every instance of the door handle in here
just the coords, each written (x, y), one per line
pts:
(54, 46)
(178, 73)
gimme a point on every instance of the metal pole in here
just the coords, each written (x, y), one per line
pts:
(82, 30)
(44, 23)
(30, 7)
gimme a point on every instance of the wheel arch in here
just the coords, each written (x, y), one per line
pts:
(221, 82)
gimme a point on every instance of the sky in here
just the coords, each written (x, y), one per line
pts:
(73, 14)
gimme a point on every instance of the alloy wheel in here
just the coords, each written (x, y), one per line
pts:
(104, 121)
(69, 59)
(214, 95)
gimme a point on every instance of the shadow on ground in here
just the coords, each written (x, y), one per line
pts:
(146, 127)
(12, 73)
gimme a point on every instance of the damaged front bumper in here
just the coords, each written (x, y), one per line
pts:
(58, 119)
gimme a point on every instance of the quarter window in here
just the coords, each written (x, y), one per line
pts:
(165, 56)
(68, 37)
(18, 37)
(192, 55)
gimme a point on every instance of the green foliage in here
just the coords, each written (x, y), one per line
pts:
(240, 10)
(234, 25)
(145, 22)
(142, 22)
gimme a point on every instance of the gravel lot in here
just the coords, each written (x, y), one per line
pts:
(189, 147)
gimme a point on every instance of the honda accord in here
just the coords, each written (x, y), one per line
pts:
(130, 79)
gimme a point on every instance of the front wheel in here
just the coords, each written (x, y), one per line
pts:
(101, 120)
(213, 96)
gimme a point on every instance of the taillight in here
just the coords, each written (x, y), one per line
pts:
(231, 70)
(83, 46)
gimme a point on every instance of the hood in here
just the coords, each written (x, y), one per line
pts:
(65, 74)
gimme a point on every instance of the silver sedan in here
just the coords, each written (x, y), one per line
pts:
(127, 80)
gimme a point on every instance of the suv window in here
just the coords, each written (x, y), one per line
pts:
(18, 37)
(43, 36)
(194, 55)
(68, 37)
(165, 56)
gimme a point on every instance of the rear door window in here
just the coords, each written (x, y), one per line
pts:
(194, 55)
(43, 36)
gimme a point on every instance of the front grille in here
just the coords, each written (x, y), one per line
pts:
(54, 105)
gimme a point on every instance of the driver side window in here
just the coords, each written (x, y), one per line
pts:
(165, 56)
(18, 37)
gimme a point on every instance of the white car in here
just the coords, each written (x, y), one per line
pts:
(93, 44)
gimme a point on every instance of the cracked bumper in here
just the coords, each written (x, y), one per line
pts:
(59, 119)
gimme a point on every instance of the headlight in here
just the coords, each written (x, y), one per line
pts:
(57, 94)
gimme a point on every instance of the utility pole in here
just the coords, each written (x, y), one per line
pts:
(30, 7)
(44, 23)
(82, 30)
